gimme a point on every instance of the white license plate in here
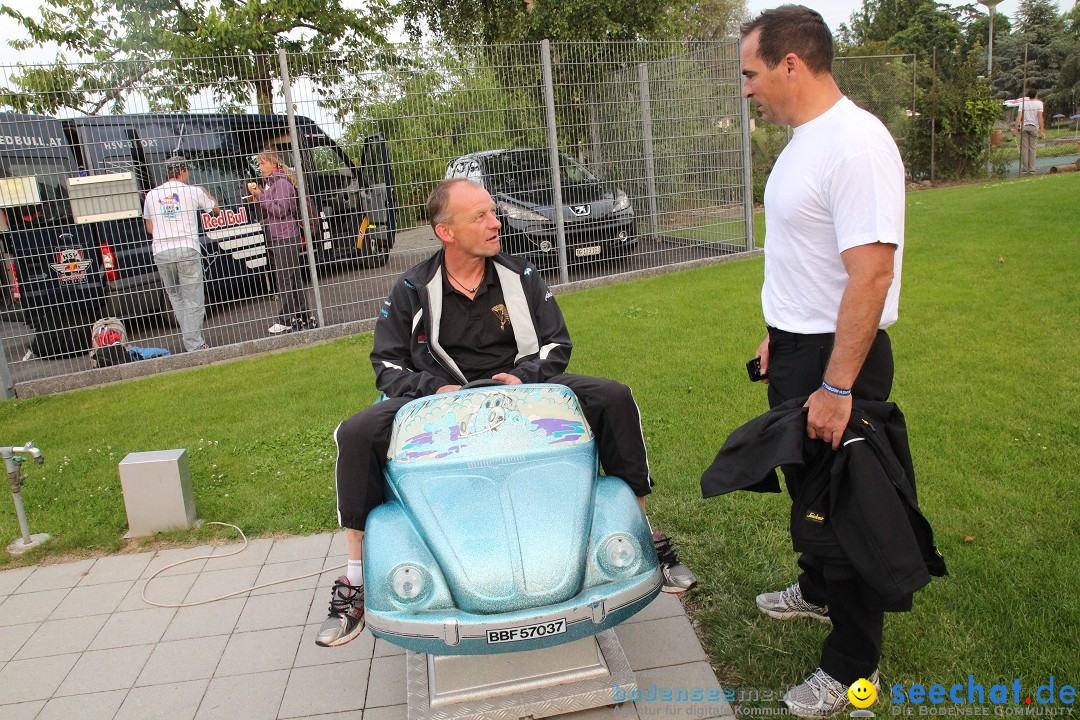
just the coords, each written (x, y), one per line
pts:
(529, 632)
(587, 251)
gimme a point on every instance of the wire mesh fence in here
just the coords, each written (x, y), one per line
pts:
(604, 159)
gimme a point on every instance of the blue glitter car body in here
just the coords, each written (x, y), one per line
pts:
(497, 533)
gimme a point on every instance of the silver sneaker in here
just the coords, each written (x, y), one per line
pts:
(677, 577)
(821, 696)
(346, 619)
(790, 603)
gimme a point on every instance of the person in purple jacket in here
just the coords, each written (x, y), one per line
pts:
(278, 204)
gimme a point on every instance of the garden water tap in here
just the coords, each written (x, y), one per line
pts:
(13, 460)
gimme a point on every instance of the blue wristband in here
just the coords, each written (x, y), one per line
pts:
(835, 390)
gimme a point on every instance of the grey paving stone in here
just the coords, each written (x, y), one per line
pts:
(193, 659)
(694, 693)
(34, 679)
(251, 556)
(259, 651)
(658, 643)
(354, 715)
(29, 608)
(117, 568)
(94, 706)
(383, 648)
(339, 546)
(284, 570)
(99, 670)
(55, 577)
(10, 580)
(396, 712)
(309, 653)
(92, 600)
(21, 711)
(174, 701)
(12, 638)
(251, 697)
(137, 627)
(163, 589)
(386, 682)
(218, 583)
(333, 567)
(300, 548)
(325, 689)
(664, 606)
(264, 612)
(59, 637)
(175, 555)
(217, 618)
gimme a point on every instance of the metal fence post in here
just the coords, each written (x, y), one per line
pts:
(7, 387)
(298, 165)
(553, 150)
(647, 140)
(748, 176)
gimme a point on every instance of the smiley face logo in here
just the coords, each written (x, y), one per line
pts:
(862, 693)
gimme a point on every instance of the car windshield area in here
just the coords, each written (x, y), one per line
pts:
(35, 188)
(525, 170)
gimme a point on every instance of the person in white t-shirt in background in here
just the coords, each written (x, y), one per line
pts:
(1031, 126)
(834, 238)
(171, 211)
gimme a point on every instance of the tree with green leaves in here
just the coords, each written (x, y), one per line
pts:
(168, 50)
(1033, 54)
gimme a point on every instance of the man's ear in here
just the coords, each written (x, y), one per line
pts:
(792, 63)
(443, 233)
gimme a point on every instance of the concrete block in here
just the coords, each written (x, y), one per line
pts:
(157, 492)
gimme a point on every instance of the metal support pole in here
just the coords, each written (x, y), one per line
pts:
(647, 141)
(7, 387)
(748, 176)
(553, 151)
(294, 140)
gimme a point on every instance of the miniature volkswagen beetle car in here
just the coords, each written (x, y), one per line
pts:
(497, 533)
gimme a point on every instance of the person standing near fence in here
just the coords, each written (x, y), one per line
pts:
(1031, 126)
(834, 219)
(278, 203)
(171, 212)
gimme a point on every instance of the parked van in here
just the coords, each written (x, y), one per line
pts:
(72, 190)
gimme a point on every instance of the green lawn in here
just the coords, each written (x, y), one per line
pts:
(987, 374)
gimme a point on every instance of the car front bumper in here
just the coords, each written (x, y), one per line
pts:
(453, 632)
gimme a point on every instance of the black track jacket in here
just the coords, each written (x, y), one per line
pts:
(410, 362)
(857, 503)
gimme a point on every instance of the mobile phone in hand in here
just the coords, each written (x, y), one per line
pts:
(753, 369)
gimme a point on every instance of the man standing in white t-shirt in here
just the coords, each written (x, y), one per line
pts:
(834, 219)
(1031, 126)
(171, 211)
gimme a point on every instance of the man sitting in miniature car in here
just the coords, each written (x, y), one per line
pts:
(471, 312)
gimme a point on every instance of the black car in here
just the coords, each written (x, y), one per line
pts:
(598, 217)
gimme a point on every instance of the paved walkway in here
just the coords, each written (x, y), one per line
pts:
(77, 641)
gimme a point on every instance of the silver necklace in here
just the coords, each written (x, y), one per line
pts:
(463, 285)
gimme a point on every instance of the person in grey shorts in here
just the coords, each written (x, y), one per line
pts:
(171, 211)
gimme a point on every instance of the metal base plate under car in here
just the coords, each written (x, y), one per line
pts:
(531, 684)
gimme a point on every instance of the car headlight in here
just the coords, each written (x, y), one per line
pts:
(519, 213)
(408, 582)
(622, 201)
(619, 554)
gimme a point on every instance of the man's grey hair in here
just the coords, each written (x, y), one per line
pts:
(174, 165)
(438, 202)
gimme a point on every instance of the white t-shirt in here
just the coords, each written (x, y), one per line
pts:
(173, 208)
(838, 184)
(1030, 111)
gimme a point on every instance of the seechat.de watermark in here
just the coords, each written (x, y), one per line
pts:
(970, 698)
